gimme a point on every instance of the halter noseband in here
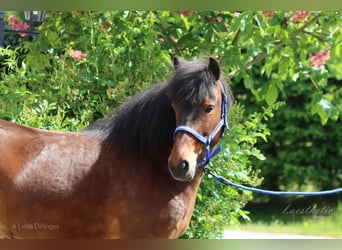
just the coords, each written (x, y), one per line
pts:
(221, 125)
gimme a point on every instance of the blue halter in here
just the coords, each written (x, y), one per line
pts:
(222, 124)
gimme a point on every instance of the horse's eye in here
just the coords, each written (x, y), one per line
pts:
(209, 109)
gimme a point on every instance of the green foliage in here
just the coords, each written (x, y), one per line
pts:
(274, 220)
(121, 53)
(322, 106)
(301, 153)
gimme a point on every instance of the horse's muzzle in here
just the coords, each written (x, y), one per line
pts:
(182, 172)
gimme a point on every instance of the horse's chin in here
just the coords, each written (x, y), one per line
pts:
(186, 178)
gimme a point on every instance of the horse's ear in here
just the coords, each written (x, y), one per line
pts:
(176, 62)
(214, 68)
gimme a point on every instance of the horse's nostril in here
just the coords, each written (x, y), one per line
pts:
(185, 165)
(182, 171)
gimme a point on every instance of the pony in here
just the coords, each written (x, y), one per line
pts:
(132, 174)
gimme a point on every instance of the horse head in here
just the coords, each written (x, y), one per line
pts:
(201, 100)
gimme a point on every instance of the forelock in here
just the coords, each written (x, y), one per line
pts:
(191, 83)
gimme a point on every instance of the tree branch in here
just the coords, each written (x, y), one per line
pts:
(236, 37)
(301, 29)
(280, 45)
(263, 55)
(314, 35)
(314, 83)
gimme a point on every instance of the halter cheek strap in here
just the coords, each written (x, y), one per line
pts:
(222, 124)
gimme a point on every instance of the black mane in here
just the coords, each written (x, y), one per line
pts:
(145, 124)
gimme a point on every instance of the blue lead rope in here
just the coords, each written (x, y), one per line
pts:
(205, 161)
(262, 191)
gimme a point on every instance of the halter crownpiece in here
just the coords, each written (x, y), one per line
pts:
(221, 125)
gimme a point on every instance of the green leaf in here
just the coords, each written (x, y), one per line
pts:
(261, 23)
(272, 94)
(319, 76)
(295, 76)
(268, 69)
(271, 62)
(323, 107)
(256, 153)
(283, 68)
(186, 23)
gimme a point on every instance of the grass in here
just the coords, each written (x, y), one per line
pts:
(302, 218)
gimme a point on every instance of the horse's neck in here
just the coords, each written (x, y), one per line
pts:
(144, 125)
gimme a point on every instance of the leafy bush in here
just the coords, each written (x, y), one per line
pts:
(301, 153)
